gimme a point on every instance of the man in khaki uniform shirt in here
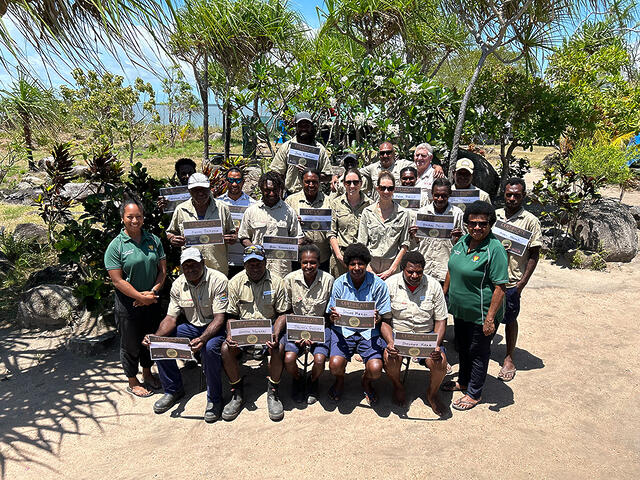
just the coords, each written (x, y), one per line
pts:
(203, 206)
(270, 217)
(463, 177)
(520, 268)
(312, 197)
(389, 162)
(305, 134)
(417, 306)
(201, 294)
(255, 293)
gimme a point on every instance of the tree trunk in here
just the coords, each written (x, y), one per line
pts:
(505, 163)
(28, 140)
(227, 126)
(453, 157)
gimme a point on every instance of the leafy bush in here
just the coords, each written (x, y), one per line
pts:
(602, 161)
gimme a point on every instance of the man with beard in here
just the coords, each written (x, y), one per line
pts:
(387, 161)
(305, 134)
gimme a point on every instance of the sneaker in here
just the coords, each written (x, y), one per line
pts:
(314, 390)
(234, 407)
(167, 401)
(213, 412)
(274, 405)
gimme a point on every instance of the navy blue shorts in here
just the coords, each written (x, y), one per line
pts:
(512, 309)
(356, 343)
(316, 348)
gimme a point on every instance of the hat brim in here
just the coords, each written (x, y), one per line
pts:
(468, 169)
(190, 257)
(251, 256)
(199, 184)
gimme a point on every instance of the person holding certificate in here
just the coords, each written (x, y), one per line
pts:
(387, 162)
(476, 283)
(255, 294)
(203, 206)
(307, 291)
(521, 267)
(137, 267)
(417, 306)
(345, 220)
(384, 230)
(357, 287)
(270, 216)
(184, 168)
(312, 197)
(200, 294)
(463, 177)
(318, 159)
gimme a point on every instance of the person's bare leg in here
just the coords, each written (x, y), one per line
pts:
(150, 379)
(438, 370)
(393, 366)
(275, 362)
(511, 337)
(230, 362)
(137, 388)
(337, 366)
(372, 371)
(291, 365)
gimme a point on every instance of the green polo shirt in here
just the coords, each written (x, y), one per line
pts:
(473, 275)
(138, 261)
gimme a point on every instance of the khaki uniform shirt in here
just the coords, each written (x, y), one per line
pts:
(320, 239)
(384, 238)
(291, 173)
(527, 221)
(371, 172)
(304, 300)
(436, 251)
(345, 220)
(280, 220)
(416, 311)
(263, 299)
(199, 302)
(215, 256)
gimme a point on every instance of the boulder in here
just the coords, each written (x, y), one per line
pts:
(215, 137)
(65, 274)
(484, 175)
(564, 241)
(608, 225)
(21, 196)
(79, 191)
(80, 171)
(31, 233)
(47, 307)
(45, 162)
(31, 180)
(5, 264)
(91, 335)
(635, 211)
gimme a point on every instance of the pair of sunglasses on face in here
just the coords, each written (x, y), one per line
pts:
(235, 180)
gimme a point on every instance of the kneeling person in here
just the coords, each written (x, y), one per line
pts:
(417, 306)
(307, 292)
(255, 293)
(201, 294)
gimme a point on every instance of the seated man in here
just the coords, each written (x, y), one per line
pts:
(307, 291)
(255, 293)
(200, 293)
(418, 306)
(357, 285)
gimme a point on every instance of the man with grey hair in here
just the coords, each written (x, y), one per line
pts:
(427, 170)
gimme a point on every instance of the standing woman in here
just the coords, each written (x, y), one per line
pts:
(137, 267)
(476, 283)
(384, 229)
(347, 210)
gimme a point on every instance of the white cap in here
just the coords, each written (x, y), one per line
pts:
(464, 164)
(191, 253)
(199, 180)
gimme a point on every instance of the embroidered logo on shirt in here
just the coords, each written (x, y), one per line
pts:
(151, 247)
(223, 297)
(476, 258)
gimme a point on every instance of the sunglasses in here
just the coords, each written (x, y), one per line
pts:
(351, 182)
(235, 180)
(386, 189)
(478, 224)
(386, 152)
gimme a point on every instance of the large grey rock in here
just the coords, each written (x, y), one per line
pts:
(484, 175)
(22, 196)
(47, 307)
(635, 211)
(65, 274)
(563, 241)
(91, 334)
(31, 233)
(32, 180)
(609, 225)
(215, 137)
(45, 162)
(79, 191)
(80, 171)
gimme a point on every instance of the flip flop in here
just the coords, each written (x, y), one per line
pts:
(451, 386)
(463, 406)
(144, 395)
(371, 397)
(333, 394)
(507, 375)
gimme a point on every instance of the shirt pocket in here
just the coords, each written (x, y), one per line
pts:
(282, 228)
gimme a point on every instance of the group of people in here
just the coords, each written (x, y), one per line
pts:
(371, 253)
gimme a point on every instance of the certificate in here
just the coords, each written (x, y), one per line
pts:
(434, 226)
(203, 232)
(354, 314)
(303, 327)
(315, 219)
(281, 248)
(460, 198)
(416, 345)
(237, 211)
(174, 196)
(304, 155)
(513, 238)
(255, 331)
(169, 348)
(408, 197)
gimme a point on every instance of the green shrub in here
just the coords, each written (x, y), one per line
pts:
(602, 160)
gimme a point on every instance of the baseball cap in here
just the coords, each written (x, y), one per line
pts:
(191, 253)
(464, 164)
(300, 116)
(253, 251)
(198, 180)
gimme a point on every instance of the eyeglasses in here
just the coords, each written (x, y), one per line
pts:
(351, 182)
(478, 224)
(390, 188)
(386, 152)
(424, 155)
(235, 180)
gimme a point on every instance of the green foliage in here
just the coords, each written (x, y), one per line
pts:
(180, 103)
(10, 158)
(602, 160)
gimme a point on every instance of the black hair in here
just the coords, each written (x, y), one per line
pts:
(414, 256)
(185, 161)
(309, 247)
(441, 182)
(356, 251)
(275, 177)
(386, 174)
(480, 208)
(314, 171)
(129, 199)
(410, 169)
(234, 169)
(516, 181)
(352, 170)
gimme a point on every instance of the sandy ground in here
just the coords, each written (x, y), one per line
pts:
(571, 411)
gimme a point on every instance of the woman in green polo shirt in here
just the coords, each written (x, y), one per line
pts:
(137, 267)
(476, 283)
